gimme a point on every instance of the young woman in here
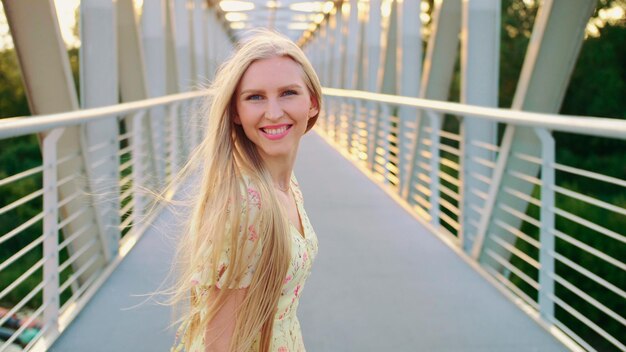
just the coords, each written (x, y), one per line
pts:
(249, 245)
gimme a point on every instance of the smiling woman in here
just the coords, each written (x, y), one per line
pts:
(274, 107)
(249, 245)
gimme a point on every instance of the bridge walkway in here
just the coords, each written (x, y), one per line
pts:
(381, 281)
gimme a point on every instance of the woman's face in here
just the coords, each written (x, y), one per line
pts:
(273, 106)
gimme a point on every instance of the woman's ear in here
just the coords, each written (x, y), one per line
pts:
(314, 109)
(237, 120)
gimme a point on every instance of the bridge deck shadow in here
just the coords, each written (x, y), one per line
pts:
(381, 281)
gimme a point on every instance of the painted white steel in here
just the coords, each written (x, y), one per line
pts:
(480, 58)
(591, 174)
(19, 126)
(338, 49)
(591, 126)
(49, 84)
(20, 175)
(182, 33)
(199, 58)
(63, 156)
(388, 80)
(372, 56)
(153, 25)
(42, 55)
(435, 123)
(492, 249)
(19, 202)
(132, 74)
(81, 240)
(352, 45)
(175, 148)
(51, 232)
(546, 235)
(409, 73)
(153, 28)
(438, 67)
(372, 52)
(554, 38)
(171, 61)
(99, 87)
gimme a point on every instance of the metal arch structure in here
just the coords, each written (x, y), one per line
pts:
(122, 60)
(470, 187)
(465, 185)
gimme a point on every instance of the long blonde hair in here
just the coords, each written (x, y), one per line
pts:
(224, 156)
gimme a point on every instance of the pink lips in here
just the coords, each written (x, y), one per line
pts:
(275, 132)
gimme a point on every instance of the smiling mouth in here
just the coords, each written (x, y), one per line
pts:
(275, 131)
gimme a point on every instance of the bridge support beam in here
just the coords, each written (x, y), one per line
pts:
(99, 87)
(409, 72)
(436, 77)
(50, 89)
(555, 43)
(480, 64)
(154, 27)
(338, 62)
(132, 74)
(372, 55)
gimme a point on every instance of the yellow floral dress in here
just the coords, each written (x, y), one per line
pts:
(287, 336)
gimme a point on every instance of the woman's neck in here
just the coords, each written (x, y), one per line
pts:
(280, 170)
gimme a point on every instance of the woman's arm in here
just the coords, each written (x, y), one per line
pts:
(220, 330)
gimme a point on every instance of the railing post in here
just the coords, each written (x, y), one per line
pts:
(138, 172)
(330, 112)
(51, 233)
(373, 119)
(174, 142)
(337, 122)
(435, 127)
(546, 258)
(385, 119)
(352, 126)
(494, 187)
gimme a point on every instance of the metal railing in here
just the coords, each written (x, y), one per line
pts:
(550, 233)
(80, 211)
(538, 239)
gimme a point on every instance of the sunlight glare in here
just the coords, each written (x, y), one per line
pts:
(236, 16)
(66, 12)
(238, 25)
(312, 6)
(233, 5)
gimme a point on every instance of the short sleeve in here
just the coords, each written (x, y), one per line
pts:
(251, 246)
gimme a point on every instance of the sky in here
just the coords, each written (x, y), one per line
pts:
(65, 13)
(66, 10)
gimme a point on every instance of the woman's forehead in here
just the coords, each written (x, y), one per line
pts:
(276, 71)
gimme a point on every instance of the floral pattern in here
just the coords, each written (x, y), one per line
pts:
(287, 336)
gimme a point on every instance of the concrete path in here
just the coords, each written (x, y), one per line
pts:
(381, 282)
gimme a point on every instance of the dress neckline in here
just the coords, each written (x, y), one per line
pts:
(298, 210)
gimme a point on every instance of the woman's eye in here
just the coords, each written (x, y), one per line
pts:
(253, 97)
(290, 92)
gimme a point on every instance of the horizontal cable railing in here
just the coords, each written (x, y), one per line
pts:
(68, 220)
(540, 204)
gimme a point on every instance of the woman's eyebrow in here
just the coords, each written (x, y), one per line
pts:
(290, 86)
(243, 92)
(295, 85)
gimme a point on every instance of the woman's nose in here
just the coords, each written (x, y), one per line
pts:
(273, 111)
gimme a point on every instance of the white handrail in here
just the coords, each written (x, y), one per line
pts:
(18, 126)
(594, 126)
(492, 223)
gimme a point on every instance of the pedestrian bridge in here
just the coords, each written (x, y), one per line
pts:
(442, 226)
